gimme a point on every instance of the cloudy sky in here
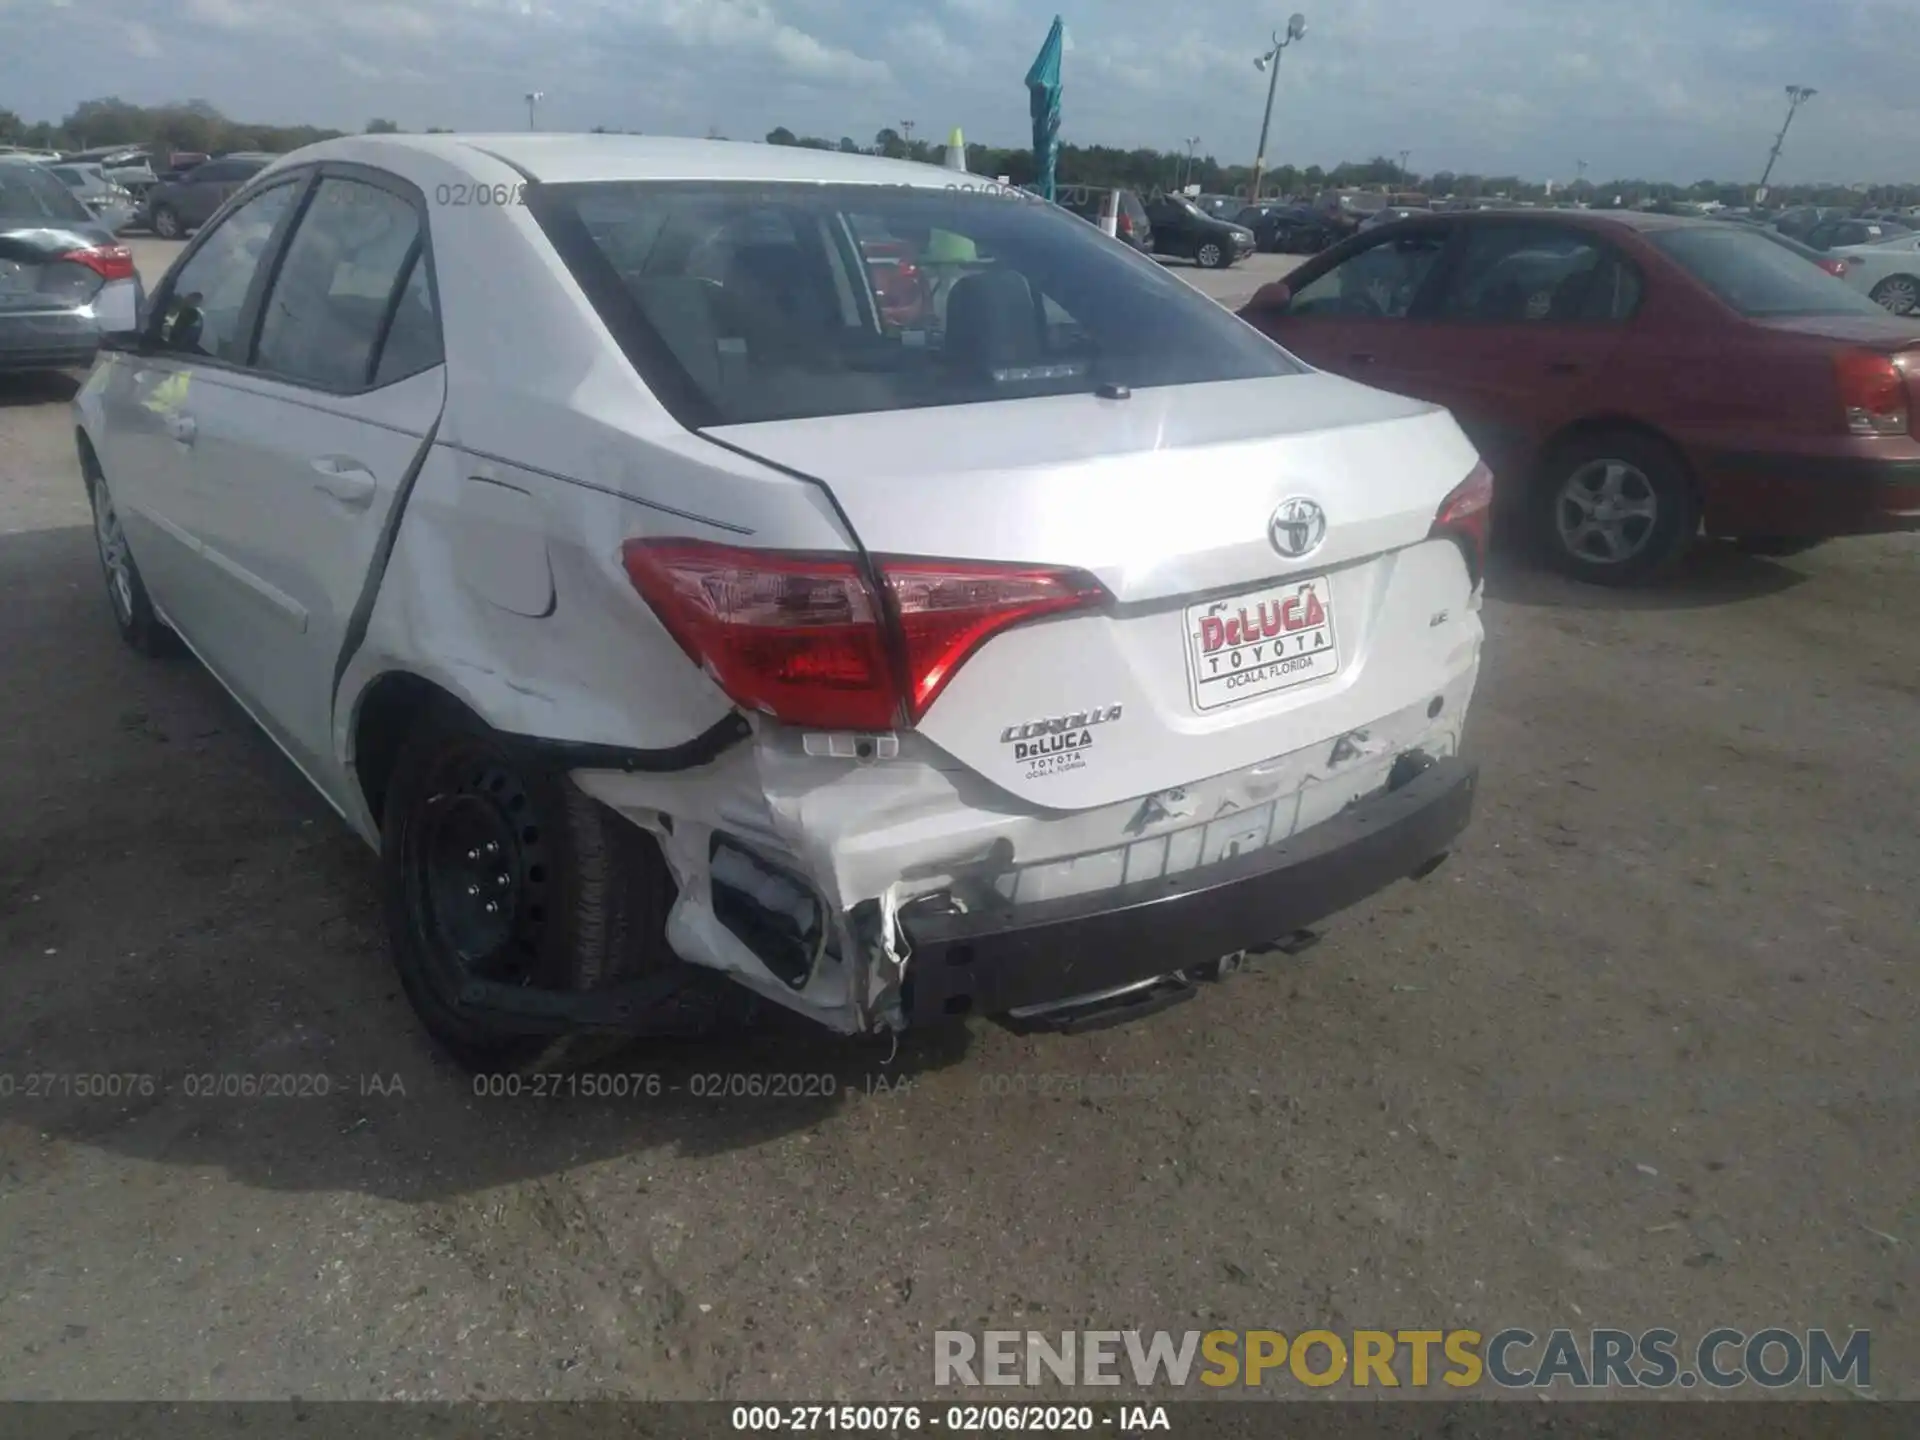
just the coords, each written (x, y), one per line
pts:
(1667, 89)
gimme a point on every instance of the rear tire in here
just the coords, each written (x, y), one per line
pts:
(1898, 293)
(140, 626)
(1614, 508)
(497, 867)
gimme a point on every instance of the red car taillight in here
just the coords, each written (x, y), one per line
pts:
(109, 262)
(1873, 392)
(1123, 225)
(1466, 518)
(1836, 268)
(947, 609)
(803, 638)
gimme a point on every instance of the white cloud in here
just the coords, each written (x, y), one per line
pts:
(1658, 88)
(141, 41)
(754, 25)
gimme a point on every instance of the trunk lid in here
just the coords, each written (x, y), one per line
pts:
(1873, 332)
(1167, 498)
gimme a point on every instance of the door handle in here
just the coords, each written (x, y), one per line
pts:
(346, 480)
(183, 428)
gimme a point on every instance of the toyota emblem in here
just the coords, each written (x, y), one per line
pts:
(1298, 526)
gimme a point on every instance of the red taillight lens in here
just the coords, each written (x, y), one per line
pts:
(1123, 224)
(802, 637)
(1466, 517)
(1873, 392)
(109, 262)
(797, 637)
(948, 609)
(1833, 267)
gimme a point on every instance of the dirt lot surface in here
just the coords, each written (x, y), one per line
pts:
(1641, 1054)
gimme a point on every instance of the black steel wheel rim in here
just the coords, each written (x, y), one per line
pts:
(479, 874)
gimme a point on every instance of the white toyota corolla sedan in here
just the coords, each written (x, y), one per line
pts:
(879, 589)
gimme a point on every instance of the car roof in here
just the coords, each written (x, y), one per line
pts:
(564, 159)
(1641, 220)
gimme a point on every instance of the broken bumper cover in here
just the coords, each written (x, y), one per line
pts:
(990, 962)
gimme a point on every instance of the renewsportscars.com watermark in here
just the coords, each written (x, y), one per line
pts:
(1513, 1359)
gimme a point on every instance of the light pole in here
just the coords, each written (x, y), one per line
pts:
(1797, 95)
(1405, 178)
(1187, 173)
(1296, 27)
(906, 134)
(534, 97)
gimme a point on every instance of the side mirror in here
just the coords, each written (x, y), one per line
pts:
(1269, 300)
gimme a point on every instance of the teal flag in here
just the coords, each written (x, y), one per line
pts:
(1043, 104)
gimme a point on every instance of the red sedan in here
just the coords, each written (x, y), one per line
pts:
(1633, 378)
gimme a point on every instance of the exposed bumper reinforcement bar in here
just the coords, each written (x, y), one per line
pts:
(992, 962)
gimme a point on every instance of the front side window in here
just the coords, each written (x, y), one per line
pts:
(330, 301)
(208, 294)
(1757, 277)
(745, 302)
(1380, 283)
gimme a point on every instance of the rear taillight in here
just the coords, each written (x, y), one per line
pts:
(1836, 268)
(1873, 392)
(1466, 518)
(803, 638)
(947, 609)
(1123, 224)
(109, 262)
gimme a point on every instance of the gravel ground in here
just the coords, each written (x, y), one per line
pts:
(1641, 1054)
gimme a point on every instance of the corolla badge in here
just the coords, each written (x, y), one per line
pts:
(1297, 527)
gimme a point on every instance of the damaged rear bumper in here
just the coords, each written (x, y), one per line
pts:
(878, 893)
(1029, 955)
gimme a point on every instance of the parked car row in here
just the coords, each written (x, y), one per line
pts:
(1632, 379)
(1166, 224)
(1290, 229)
(184, 199)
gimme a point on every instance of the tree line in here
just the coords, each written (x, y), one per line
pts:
(198, 125)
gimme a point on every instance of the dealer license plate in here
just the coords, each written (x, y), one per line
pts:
(1265, 640)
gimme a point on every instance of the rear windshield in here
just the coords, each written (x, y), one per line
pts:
(747, 302)
(1757, 277)
(31, 192)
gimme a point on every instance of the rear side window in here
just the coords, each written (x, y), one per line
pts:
(1757, 277)
(747, 302)
(412, 341)
(1532, 274)
(331, 299)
